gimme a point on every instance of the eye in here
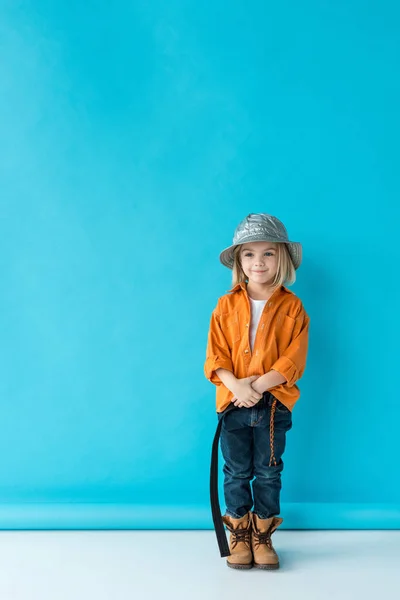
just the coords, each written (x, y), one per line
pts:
(250, 253)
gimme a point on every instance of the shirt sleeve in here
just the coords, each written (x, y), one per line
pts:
(217, 353)
(292, 362)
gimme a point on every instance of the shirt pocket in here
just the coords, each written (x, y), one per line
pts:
(232, 326)
(288, 324)
(285, 332)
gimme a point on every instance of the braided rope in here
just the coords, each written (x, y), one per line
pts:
(271, 429)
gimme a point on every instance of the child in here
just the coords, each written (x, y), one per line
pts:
(256, 351)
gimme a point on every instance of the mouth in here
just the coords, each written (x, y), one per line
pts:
(259, 271)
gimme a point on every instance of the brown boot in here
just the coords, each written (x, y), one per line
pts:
(264, 554)
(239, 544)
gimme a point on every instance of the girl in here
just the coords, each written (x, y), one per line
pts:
(256, 351)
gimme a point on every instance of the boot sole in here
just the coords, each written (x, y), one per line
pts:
(238, 566)
(266, 567)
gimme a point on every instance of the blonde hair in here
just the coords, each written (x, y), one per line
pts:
(285, 272)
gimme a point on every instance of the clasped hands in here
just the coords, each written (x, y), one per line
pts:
(247, 391)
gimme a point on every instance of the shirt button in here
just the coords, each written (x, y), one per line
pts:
(246, 350)
(247, 324)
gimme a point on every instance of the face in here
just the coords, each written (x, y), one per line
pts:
(259, 261)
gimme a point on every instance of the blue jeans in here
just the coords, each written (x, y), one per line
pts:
(246, 448)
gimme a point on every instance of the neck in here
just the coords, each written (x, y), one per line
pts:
(260, 291)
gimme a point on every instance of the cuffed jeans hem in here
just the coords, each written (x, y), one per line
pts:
(262, 516)
(231, 513)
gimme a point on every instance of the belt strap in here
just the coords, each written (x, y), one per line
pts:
(215, 507)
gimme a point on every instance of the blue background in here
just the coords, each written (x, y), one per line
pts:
(134, 138)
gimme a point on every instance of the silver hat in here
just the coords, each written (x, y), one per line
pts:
(260, 227)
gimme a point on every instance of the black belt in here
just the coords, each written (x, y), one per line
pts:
(215, 508)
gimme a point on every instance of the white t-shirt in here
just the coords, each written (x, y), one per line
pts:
(257, 307)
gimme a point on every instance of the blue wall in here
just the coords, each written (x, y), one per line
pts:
(134, 138)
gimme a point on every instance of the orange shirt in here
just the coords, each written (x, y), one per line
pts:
(281, 342)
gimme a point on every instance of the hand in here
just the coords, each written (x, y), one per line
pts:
(256, 385)
(245, 392)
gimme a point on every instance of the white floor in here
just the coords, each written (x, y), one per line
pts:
(142, 565)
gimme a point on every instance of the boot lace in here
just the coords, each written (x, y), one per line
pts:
(240, 535)
(263, 538)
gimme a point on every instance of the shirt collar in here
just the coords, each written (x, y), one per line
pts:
(243, 285)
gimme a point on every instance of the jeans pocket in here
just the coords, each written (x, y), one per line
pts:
(280, 407)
